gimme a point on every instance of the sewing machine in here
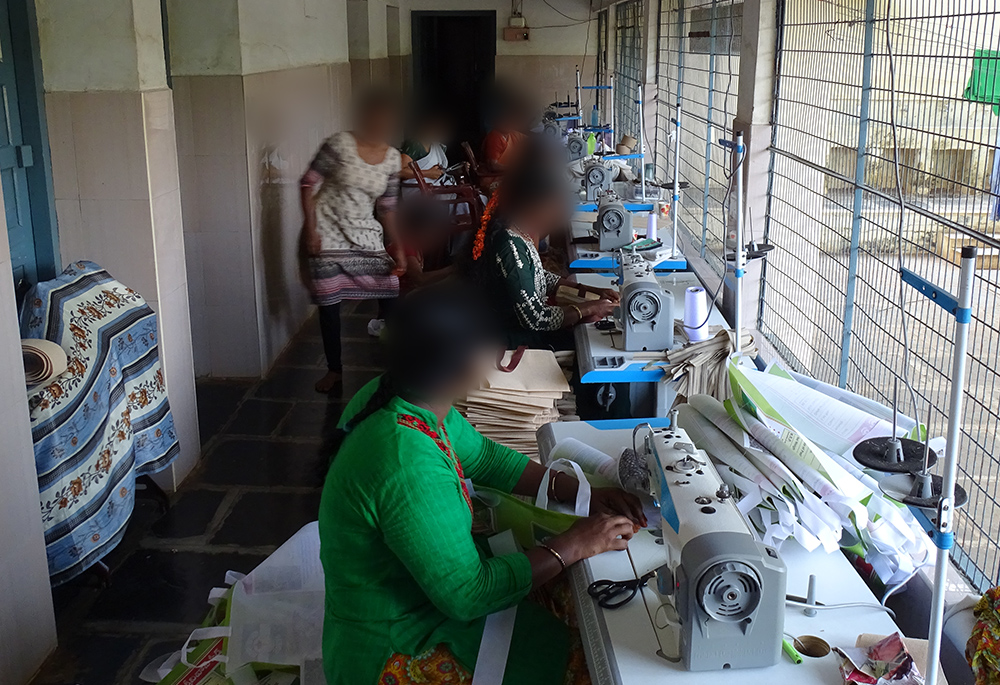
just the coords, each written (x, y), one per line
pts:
(727, 589)
(597, 179)
(576, 146)
(613, 224)
(646, 312)
(636, 645)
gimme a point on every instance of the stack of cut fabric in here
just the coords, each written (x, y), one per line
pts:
(700, 368)
(509, 407)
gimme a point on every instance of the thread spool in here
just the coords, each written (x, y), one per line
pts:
(651, 226)
(696, 313)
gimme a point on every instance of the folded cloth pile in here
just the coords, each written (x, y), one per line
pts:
(509, 407)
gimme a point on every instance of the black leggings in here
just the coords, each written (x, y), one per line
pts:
(329, 328)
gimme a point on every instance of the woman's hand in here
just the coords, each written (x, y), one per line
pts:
(399, 256)
(595, 310)
(617, 502)
(593, 535)
(607, 294)
(311, 241)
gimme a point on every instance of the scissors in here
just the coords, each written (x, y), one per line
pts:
(611, 594)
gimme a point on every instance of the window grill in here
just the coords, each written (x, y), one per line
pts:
(698, 65)
(628, 66)
(830, 290)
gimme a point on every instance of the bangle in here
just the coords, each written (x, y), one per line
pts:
(579, 312)
(555, 554)
(552, 486)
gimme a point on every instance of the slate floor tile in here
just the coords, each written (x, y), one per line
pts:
(289, 383)
(190, 514)
(267, 518)
(217, 402)
(312, 420)
(264, 463)
(84, 659)
(258, 417)
(168, 586)
(303, 352)
(370, 353)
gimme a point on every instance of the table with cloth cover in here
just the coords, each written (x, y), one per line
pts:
(101, 423)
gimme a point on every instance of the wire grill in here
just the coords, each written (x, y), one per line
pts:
(830, 291)
(698, 66)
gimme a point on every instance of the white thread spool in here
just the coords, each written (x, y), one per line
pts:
(651, 225)
(695, 313)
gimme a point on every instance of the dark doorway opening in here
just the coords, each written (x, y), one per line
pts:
(454, 56)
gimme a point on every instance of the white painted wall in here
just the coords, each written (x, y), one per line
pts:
(126, 34)
(204, 38)
(544, 41)
(27, 624)
(283, 34)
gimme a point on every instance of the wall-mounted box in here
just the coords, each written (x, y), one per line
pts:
(515, 33)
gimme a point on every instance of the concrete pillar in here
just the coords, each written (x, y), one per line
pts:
(753, 119)
(115, 175)
(378, 38)
(27, 624)
(259, 84)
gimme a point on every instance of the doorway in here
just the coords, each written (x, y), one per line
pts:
(25, 171)
(454, 61)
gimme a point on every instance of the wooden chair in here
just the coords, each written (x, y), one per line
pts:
(485, 179)
(454, 196)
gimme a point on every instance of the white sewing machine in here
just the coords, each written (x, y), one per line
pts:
(727, 588)
(646, 312)
(637, 645)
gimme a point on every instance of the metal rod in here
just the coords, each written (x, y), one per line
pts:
(642, 142)
(740, 261)
(677, 181)
(709, 137)
(614, 111)
(579, 112)
(945, 535)
(859, 182)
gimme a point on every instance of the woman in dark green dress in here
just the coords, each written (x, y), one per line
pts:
(532, 203)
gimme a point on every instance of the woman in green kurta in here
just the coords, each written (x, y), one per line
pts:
(531, 203)
(404, 575)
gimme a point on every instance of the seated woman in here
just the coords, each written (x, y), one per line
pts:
(426, 147)
(532, 202)
(407, 588)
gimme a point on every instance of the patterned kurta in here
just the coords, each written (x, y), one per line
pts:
(353, 263)
(519, 284)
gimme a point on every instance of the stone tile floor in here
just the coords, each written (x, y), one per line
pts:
(264, 457)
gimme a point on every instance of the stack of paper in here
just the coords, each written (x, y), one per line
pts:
(510, 407)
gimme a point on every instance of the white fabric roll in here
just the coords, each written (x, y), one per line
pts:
(590, 460)
(696, 313)
(651, 226)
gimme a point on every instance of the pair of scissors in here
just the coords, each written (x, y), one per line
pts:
(611, 594)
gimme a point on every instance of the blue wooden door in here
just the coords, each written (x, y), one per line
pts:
(15, 158)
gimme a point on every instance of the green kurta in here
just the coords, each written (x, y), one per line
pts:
(403, 573)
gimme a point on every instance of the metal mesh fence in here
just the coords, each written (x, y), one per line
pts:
(628, 66)
(698, 66)
(830, 299)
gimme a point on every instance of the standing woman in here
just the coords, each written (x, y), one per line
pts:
(349, 199)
